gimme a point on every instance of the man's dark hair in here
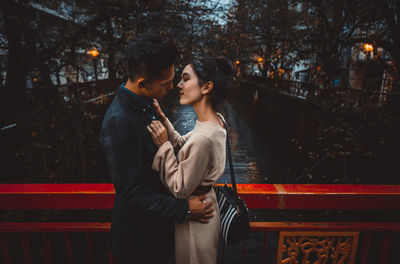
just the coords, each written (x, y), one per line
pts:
(148, 55)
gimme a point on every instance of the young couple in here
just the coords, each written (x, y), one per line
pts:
(165, 203)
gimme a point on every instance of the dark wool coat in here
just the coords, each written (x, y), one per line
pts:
(142, 226)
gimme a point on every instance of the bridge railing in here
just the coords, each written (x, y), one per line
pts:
(297, 240)
(342, 94)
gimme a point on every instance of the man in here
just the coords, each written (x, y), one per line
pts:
(142, 227)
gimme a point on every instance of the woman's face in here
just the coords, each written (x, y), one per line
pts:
(189, 90)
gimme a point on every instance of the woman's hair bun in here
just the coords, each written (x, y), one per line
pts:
(217, 70)
(224, 66)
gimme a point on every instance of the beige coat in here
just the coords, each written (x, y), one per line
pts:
(200, 161)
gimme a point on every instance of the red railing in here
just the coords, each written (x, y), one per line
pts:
(257, 196)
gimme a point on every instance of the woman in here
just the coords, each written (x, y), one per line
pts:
(201, 157)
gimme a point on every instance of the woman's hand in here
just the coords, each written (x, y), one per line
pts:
(158, 133)
(159, 112)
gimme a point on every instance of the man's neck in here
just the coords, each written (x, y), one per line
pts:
(131, 86)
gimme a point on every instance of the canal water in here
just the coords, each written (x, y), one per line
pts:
(250, 159)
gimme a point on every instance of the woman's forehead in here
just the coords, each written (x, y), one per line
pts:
(188, 69)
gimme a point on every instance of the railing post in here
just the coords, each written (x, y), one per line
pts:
(365, 247)
(110, 256)
(265, 247)
(68, 249)
(26, 247)
(89, 246)
(5, 253)
(47, 248)
(385, 248)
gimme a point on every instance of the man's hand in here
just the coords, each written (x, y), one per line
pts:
(200, 210)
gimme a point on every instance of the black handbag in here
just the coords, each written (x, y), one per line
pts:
(233, 210)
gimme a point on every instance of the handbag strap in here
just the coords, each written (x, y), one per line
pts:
(228, 148)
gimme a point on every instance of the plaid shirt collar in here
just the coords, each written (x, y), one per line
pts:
(146, 103)
(138, 103)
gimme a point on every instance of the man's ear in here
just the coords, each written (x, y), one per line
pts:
(207, 88)
(141, 83)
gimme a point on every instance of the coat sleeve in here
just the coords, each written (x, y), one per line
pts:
(123, 152)
(174, 137)
(183, 177)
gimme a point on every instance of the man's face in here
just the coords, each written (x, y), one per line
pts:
(158, 88)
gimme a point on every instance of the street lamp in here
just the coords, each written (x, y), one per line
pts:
(368, 47)
(94, 54)
(260, 61)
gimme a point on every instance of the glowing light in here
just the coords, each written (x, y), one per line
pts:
(237, 62)
(259, 59)
(368, 47)
(35, 79)
(94, 53)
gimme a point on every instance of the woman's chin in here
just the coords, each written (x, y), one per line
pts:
(183, 101)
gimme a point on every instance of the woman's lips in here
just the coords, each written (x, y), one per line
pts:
(180, 95)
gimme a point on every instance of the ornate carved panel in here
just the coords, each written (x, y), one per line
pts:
(317, 247)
